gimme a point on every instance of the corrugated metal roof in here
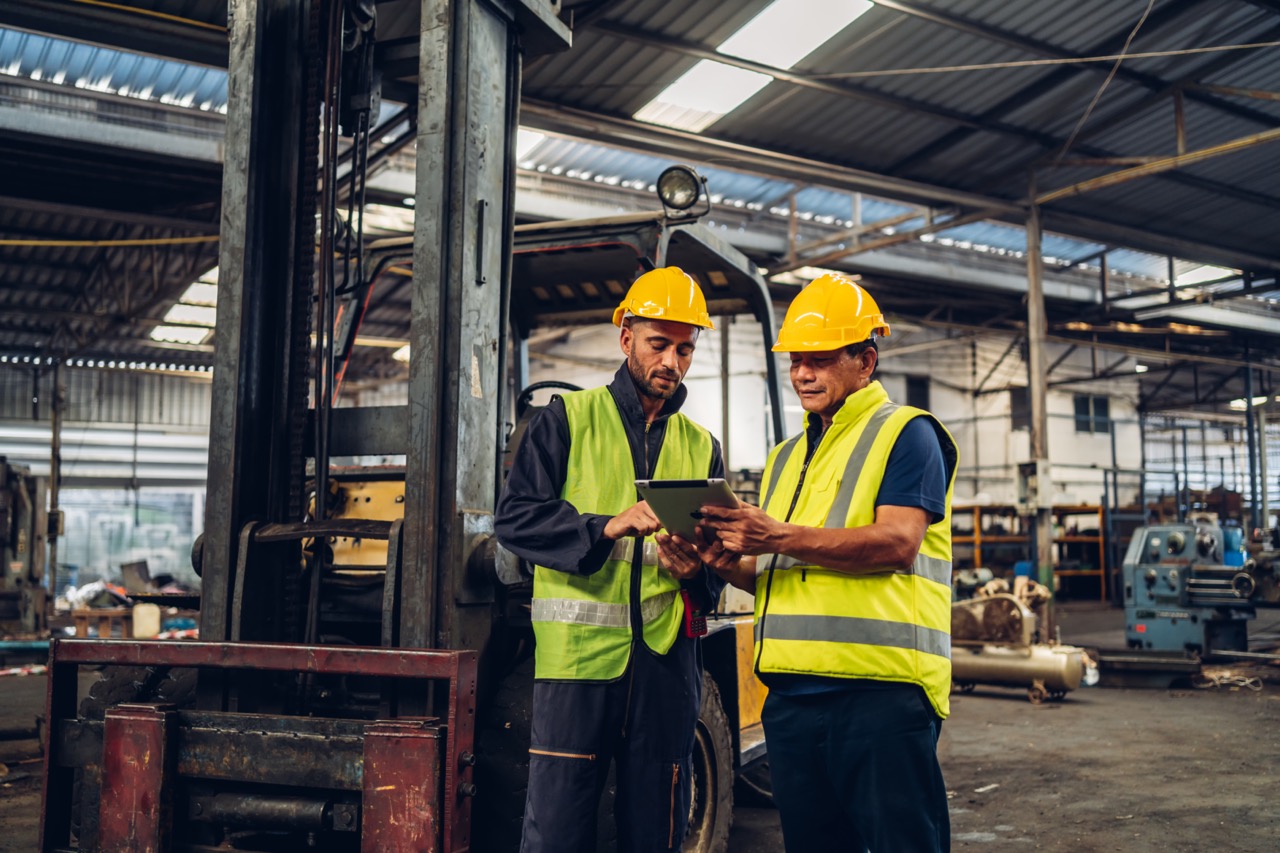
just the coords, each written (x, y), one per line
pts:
(86, 66)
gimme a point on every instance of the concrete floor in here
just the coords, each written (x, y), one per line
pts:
(1163, 770)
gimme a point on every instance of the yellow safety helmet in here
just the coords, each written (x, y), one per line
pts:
(831, 312)
(666, 293)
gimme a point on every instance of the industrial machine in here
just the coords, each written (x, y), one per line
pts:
(23, 535)
(1181, 595)
(995, 639)
(362, 678)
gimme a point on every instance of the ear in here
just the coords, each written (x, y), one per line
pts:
(626, 339)
(868, 359)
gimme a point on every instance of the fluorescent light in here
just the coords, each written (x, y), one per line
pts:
(702, 95)
(1140, 368)
(789, 30)
(402, 354)
(1239, 405)
(200, 315)
(180, 334)
(526, 141)
(1205, 273)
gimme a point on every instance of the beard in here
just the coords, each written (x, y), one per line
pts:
(647, 388)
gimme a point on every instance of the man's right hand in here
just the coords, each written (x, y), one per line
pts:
(635, 520)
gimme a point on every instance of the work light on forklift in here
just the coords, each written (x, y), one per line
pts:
(679, 188)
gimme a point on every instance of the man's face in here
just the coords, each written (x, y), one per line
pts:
(658, 355)
(825, 379)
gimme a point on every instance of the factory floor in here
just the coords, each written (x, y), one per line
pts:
(1162, 770)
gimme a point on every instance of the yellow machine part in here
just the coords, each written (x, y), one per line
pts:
(751, 691)
(381, 500)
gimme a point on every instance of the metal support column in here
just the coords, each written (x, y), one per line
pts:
(724, 391)
(55, 481)
(1251, 435)
(1264, 511)
(1037, 388)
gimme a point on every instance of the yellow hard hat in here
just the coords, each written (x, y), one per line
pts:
(666, 293)
(831, 312)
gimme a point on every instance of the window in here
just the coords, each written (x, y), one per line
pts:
(1093, 414)
(918, 392)
(1019, 408)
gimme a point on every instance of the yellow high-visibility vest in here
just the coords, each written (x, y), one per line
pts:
(889, 626)
(582, 624)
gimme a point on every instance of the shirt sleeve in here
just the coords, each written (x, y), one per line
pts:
(532, 520)
(916, 475)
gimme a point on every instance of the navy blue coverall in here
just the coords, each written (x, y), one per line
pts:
(644, 721)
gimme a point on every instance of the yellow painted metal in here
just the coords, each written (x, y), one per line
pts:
(382, 500)
(751, 691)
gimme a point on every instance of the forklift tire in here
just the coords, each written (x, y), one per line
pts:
(711, 807)
(116, 686)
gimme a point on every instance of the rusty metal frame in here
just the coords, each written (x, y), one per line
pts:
(459, 668)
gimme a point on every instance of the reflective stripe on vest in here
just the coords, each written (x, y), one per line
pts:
(929, 568)
(853, 629)
(784, 453)
(577, 611)
(623, 549)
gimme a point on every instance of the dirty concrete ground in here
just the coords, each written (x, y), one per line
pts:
(1168, 770)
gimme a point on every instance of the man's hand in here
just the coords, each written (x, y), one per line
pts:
(745, 530)
(733, 567)
(678, 556)
(635, 520)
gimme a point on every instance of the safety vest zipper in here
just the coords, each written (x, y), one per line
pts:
(768, 586)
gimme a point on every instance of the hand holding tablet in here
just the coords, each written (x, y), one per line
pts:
(677, 502)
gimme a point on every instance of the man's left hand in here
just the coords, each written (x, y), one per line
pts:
(678, 556)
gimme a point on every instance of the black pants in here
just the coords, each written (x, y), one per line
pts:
(856, 770)
(644, 722)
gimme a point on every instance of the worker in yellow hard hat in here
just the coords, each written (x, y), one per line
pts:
(849, 557)
(617, 672)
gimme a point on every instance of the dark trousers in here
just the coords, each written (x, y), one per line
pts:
(643, 722)
(856, 770)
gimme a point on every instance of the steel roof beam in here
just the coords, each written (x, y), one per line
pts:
(667, 142)
(118, 28)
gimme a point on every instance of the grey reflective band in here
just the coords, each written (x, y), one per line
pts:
(624, 548)
(929, 568)
(839, 512)
(932, 568)
(779, 463)
(853, 629)
(576, 611)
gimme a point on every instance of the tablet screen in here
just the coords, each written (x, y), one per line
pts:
(676, 502)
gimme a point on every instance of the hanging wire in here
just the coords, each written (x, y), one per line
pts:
(1111, 76)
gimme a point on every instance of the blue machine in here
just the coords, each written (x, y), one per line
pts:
(1181, 595)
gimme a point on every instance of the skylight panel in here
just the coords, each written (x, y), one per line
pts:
(789, 30)
(199, 315)
(781, 35)
(180, 334)
(526, 141)
(702, 95)
(200, 293)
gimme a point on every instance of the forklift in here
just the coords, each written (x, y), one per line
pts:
(363, 676)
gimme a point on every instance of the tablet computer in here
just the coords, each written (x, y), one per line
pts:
(676, 502)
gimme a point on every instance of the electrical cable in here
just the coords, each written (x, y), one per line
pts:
(152, 13)
(1111, 76)
(1036, 63)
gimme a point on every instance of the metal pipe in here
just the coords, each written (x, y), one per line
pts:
(1186, 469)
(262, 811)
